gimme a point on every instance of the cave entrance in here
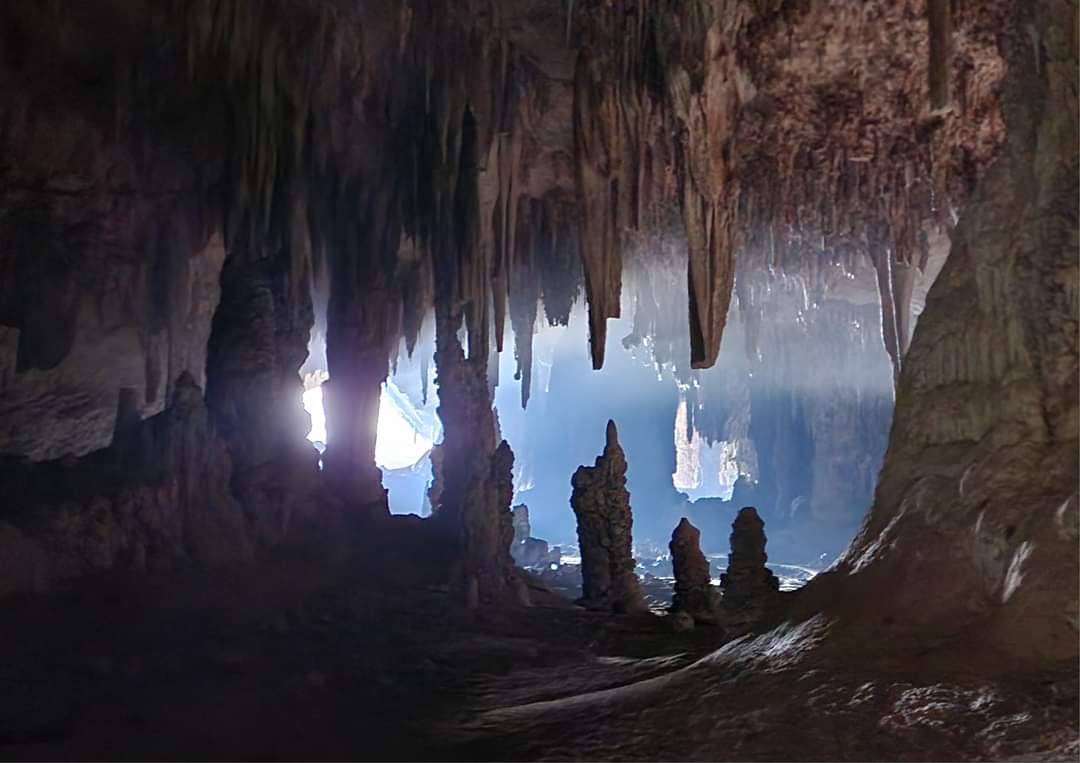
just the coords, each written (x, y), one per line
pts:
(793, 419)
(406, 431)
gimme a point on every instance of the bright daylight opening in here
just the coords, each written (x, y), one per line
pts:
(398, 444)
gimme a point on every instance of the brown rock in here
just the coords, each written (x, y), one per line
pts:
(475, 475)
(694, 593)
(750, 589)
(601, 503)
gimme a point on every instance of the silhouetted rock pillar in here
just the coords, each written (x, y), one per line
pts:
(475, 474)
(360, 328)
(601, 503)
(258, 341)
(750, 589)
(522, 529)
(694, 593)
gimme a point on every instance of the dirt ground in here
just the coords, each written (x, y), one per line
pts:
(319, 656)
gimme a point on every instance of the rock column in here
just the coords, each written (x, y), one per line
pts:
(694, 593)
(601, 504)
(476, 483)
(750, 589)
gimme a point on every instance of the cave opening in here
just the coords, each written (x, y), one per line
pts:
(793, 417)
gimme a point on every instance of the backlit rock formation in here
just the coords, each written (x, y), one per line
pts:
(601, 504)
(522, 529)
(750, 589)
(694, 593)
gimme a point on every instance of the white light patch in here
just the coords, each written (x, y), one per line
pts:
(397, 444)
(313, 405)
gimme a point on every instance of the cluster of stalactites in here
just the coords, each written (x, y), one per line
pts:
(414, 188)
(683, 102)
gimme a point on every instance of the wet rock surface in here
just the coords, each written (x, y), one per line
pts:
(601, 504)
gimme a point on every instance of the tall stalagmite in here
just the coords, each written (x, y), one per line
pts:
(476, 475)
(601, 504)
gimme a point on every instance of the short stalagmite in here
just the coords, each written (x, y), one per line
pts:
(750, 589)
(694, 593)
(601, 503)
(522, 529)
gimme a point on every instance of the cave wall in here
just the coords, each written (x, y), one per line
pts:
(132, 280)
(975, 521)
(109, 267)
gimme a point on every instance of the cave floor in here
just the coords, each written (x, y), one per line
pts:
(305, 657)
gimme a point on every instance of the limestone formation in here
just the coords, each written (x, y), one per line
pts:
(526, 550)
(983, 445)
(475, 478)
(159, 494)
(601, 504)
(694, 592)
(522, 530)
(750, 589)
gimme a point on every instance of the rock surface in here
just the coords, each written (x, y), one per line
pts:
(694, 592)
(158, 495)
(974, 527)
(750, 589)
(522, 528)
(601, 504)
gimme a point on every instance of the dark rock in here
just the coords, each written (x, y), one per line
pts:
(475, 476)
(750, 589)
(694, 593)
(522, 529)
(601, 503)
(681, 621)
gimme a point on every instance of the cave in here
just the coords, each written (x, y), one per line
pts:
(539, 379)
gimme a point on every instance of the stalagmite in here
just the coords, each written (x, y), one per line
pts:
(750, 589)
(522, 529)
(694, 593)
(601, 504)
(475, 474)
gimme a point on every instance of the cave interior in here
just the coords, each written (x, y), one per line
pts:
(539, 379)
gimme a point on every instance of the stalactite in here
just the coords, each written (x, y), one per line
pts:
(939, 20)
(597, 148)
(525, 290)
(560, 263)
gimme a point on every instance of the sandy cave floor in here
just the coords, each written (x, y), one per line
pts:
(306, 656)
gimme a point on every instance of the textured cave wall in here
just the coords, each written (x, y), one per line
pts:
(133, 274)
(108, 267)
(974, 527)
